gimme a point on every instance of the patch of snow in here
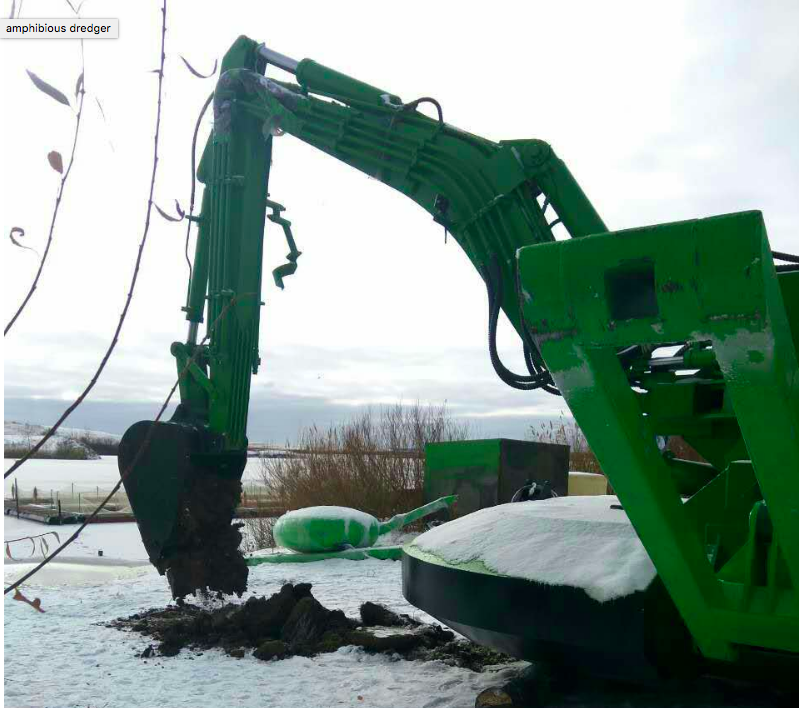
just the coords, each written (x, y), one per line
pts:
(117, 541)
(23, 430)
(27, 434)
(397, 537)
(85, 475)
(332, 513)
(576, 541)
(261, 552)
(77, 571)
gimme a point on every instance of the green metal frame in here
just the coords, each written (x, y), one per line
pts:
(729, 556)
(228, 260)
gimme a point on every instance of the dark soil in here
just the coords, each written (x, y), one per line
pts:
(205, 552)
(374, 615)
(293, 623)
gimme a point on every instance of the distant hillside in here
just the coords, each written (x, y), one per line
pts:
(67, 443)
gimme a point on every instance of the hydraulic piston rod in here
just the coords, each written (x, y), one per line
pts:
(277, 59)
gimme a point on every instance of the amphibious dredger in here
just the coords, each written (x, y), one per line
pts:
(594, 313)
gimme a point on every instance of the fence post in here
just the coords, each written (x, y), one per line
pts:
(78, 502)
(59, 510)
(16, 484)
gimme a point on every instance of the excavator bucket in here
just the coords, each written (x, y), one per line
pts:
(184, 494)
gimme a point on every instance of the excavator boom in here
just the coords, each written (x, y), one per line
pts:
(493, 198)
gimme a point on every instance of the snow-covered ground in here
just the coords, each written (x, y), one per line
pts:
(27, 434)
(15, 432)
(65, 658)
(66, 476)
(116, 541)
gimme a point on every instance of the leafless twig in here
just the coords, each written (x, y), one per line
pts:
(194, 184)
(80, 93)
(134, 278)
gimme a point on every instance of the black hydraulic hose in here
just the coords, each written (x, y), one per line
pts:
(535, 364)
(509, 377)
(517, 381)
(413, 105)
(780, 256)
(532, 357)
(791, 259)
(539, 369)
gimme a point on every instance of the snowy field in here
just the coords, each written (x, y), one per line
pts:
(16, 432)
(85, 475)
(64, 658)
(120, 541)
(27, 435)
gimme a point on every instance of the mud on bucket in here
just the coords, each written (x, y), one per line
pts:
(184, 494)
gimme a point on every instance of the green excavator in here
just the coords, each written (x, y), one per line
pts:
(595, 313)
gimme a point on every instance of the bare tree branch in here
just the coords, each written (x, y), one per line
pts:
(197, 73)
(134, 278)
(62, 187)
(194, 184)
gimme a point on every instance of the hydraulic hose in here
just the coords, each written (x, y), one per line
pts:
(538, 378)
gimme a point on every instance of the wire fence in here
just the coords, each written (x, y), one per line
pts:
(72, 498)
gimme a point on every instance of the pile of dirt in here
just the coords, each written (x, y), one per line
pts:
(293, 623)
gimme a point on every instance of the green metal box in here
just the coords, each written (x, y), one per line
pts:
(484, 473)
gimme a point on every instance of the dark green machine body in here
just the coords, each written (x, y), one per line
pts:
(682, 329)
(723, 537)
(485, 473)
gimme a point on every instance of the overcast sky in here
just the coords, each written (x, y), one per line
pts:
(663, 112)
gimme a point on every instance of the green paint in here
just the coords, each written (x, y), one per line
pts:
(710, 283)
(355, 554)
(323, 529)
